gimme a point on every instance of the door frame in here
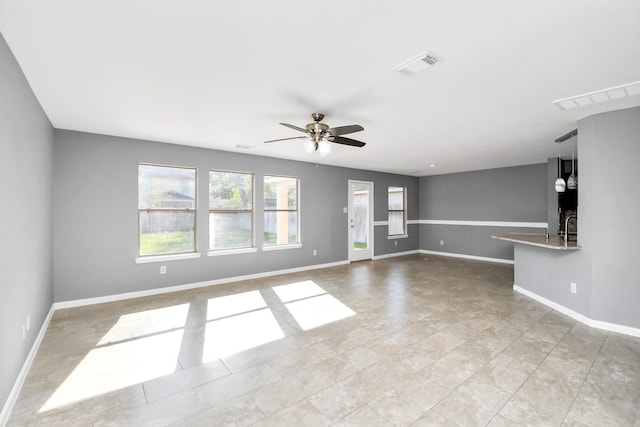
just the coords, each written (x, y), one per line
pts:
(368, 254)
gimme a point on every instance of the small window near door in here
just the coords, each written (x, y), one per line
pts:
(397, 202)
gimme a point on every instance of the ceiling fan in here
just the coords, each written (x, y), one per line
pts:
(318, 135)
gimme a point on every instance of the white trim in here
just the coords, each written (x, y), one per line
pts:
(519, 224)
(398, 236)
(158, 291)
(368, 253)
(281, 247)
(465, 256)
(232, 251)
(613, 327)
(17, 385)
(162, 258)
(395, 254)
(484, 223)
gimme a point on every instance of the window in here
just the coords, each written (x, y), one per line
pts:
(230, 210)
(166, 210)
(280, 211)
(397, 212)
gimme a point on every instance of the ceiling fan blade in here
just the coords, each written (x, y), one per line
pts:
(286, 139)
(347, 141)
(343, 130)
(294, 127)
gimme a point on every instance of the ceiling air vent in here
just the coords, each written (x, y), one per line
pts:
(418, 63)
(429, 59)
(604, 95)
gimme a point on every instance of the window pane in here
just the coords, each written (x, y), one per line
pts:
(396, 223)
(396, 198)
(167, 232)
(230, 230)
(280, 193)
(360, 227)
(230, 190)
(166, 187)
(280, 228)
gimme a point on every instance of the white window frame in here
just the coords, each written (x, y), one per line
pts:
(405, 232)
(235, 250)
(280, 246)
(193, 253)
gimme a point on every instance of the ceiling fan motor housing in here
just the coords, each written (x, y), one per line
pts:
(317, 130)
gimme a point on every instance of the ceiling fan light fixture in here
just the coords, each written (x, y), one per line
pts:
(324, 147)
(309, 146)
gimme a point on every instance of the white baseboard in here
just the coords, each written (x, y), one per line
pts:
(17, 386)
(473, 257)
(395, 254)
(158, 291)
(612, 327)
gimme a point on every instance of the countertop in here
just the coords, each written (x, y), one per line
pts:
(554, 242)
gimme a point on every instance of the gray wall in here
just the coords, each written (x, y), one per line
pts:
(605, 270)
(95, 215)
(513, 194)
(611, 143)
(26, 140)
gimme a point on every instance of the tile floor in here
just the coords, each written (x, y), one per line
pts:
(411, 340)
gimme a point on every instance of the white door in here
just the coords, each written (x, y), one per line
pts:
(360, 220)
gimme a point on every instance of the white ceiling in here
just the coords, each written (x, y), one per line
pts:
(219, 74)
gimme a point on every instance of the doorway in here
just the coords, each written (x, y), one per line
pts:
(360, 220)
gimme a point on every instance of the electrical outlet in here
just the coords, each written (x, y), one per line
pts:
(315, 252)
(28, 322)
(396, 243)
(441, 242)
(574, 288)
(163, 269)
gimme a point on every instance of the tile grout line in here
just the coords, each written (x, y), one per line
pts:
(528, 376)
(535, 370)
(573, 401)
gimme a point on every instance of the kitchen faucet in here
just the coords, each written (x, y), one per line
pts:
(566, 224)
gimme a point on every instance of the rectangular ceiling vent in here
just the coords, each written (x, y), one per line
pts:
(430, 59)
(418, 63)
(604, 95)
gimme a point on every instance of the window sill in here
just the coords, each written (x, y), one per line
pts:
(398, 236)
(281, 247)
(171, 257)
(232, 251)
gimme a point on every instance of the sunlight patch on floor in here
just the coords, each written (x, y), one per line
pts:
(236, 323)
(145, 323)
(310, 305)
(128, 354)
(230, 305)
(299, 290)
